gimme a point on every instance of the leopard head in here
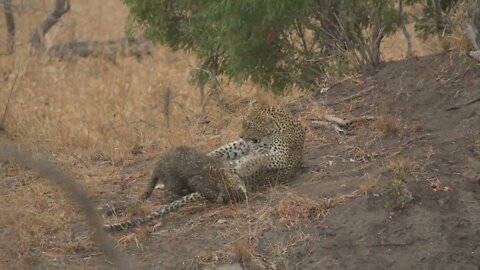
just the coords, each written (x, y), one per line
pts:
(258, 124)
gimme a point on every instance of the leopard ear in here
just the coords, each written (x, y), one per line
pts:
(252, 104)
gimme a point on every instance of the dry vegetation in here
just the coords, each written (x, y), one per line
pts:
(91, 113)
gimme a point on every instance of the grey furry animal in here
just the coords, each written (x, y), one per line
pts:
(188, 176)
(181, 169)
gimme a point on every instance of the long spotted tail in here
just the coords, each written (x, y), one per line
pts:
(164, 210)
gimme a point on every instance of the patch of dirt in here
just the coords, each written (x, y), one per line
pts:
(437, 229)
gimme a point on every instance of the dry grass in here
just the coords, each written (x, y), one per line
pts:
(44, 212)
(401, 166)
(294, 208)
(368, 185)
(386, 123)
(90, 113)
(393, 48)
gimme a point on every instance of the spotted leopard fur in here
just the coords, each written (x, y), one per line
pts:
(240, 149)
(203, 178)
(201, 195)
(282, 156)
(177, 167)
(269, 152)
(129, 224)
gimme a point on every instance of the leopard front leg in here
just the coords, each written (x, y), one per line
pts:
(255, 163)
(201, 186)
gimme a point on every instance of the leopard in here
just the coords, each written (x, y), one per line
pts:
(234, 152)
(189, 176)
(269, 150)
(175, 170)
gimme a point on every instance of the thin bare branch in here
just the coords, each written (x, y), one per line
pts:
(2, 122)
(167, 95)
(408, 37)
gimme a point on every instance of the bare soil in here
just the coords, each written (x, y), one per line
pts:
(435, 230)
(398, 192)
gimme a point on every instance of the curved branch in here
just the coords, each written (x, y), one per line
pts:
(61, 7)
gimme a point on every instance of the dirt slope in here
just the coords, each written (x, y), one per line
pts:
(421, 160)
(436, 230)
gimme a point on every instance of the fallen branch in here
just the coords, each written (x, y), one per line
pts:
(347, 122)
(456, 107)
(340, 125)
(102, 49)
(336, 127)
(336, 120)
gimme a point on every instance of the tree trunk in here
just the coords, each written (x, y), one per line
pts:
(408, 38)
(61, 7)
(10, 21)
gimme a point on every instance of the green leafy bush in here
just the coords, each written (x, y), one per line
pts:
(273, 43)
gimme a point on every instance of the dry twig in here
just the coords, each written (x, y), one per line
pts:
(340, 125)
(456, 107)
(2, 122)
(166, 106)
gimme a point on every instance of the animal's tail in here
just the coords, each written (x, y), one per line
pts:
(164, 210)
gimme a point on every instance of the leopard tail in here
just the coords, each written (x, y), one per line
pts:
(164, 210)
